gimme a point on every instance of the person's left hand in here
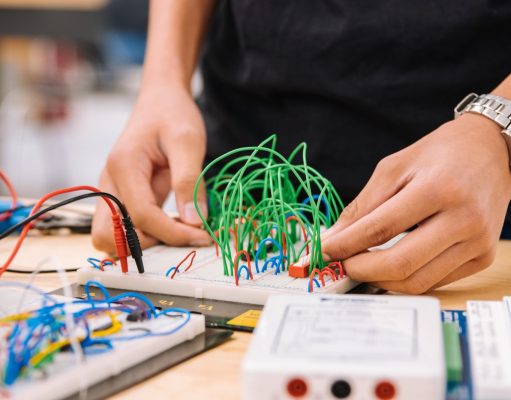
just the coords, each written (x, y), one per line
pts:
(455, 184)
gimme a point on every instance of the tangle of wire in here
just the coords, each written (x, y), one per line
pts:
(262, 202)
(30, 340)
(123, 237)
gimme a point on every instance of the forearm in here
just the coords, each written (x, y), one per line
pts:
(176, 29)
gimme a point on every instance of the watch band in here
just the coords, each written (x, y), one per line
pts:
(496, 108)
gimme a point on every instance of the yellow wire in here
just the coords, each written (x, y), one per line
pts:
(116, 327)
(15, 317)
(53, 347)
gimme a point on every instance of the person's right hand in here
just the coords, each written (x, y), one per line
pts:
(161, 149)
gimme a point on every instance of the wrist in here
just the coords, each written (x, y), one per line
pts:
(156, 82)
(160, 91)
(489, 133)
(493, 111)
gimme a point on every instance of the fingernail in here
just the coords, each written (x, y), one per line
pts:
(191, 215)
(200, 243)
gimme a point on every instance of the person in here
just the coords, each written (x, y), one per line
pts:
(362, 83)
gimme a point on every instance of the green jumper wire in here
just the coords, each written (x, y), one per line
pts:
(254, 196)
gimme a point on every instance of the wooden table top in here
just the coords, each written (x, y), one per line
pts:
(216, 373)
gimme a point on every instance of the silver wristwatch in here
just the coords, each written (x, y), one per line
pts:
(496, 108)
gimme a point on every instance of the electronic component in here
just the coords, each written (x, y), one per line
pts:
(346, 347)
(124, 237)
(105, 338)
(458, 389)
(260, 197)
(489, 331)
(205, 278)
(199, 273)
(56, 223)
(10, 216)
(452, 347)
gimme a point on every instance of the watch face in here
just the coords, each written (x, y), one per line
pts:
(463, 104)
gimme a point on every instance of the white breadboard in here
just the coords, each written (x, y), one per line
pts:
(350, 346)
(489, 330)
(205, 279)
(65, 376)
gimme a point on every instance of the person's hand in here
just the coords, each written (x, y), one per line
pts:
(161, 149)
(454, 184)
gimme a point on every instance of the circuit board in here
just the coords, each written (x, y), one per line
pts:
(136, 351)
(205, 278)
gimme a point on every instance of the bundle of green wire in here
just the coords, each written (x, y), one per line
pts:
(259, 195)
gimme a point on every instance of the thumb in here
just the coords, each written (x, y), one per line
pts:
(186, 155)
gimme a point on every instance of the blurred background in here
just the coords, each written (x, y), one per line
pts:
(69, 75)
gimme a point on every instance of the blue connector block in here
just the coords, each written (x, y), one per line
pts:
(15, 217)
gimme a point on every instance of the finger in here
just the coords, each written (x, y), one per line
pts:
(383, 184)
(404, 210)
(411, 253)
(472, 267)
(160, 184)
(132, 177)
(428, 276)
(186, 154)
(102, 230)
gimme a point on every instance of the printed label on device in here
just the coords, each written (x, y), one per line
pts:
(490, 348)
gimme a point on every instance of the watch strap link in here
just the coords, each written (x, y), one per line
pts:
(496, 108)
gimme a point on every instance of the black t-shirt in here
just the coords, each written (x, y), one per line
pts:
(356, 80)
